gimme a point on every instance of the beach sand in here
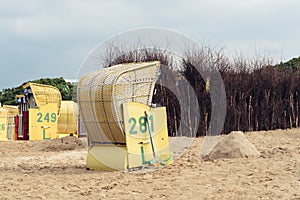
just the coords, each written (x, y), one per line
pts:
(44, 170)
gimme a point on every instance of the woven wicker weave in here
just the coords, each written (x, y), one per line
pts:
(102, 93)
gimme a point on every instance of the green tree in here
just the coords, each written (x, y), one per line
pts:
(293, 63)
(7, 96)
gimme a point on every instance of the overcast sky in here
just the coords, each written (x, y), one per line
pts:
(51, 38)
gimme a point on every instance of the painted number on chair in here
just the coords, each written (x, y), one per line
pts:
(3, 127)
(47, 117)
(140, 125)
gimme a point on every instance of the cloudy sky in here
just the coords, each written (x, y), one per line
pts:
(51, 38)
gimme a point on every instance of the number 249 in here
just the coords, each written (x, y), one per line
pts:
(47, 117)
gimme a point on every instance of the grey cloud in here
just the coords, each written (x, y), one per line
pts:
(41, 38)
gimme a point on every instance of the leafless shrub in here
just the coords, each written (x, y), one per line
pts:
(259, 96)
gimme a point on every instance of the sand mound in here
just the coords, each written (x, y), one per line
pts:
(59, 144)
(234, 145)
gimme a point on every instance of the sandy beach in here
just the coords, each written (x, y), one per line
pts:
(39, 170)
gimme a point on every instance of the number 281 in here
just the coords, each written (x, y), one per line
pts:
(142, 124)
